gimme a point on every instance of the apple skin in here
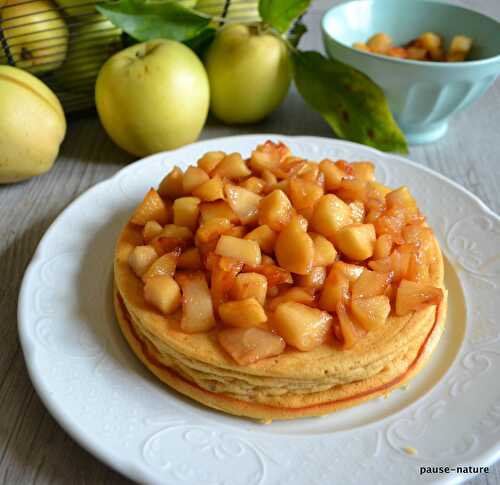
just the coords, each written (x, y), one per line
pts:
(84, 7)
(32, 125)
(91, 44)
(249, 74)
(237, 10)
(153, 96)
(38, 40)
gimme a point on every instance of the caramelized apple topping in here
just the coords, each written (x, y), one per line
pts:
(248, 345)
(276, 250)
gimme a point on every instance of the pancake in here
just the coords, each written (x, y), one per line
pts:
(293, 384)
(341, 367)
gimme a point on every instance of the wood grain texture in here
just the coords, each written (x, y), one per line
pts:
(33, 448)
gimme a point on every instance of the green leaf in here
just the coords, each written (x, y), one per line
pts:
(296, 33)
(281, 13)
(151, 20)
(352, 104)
(200, 43)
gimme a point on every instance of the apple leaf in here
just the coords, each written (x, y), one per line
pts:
(296, 33)
(280, 14)
(200, 42)
(151, 20)
(352, 104)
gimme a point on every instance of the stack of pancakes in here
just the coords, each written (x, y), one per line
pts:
(291, 385)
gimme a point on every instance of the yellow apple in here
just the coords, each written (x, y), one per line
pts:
(35, 33)
(32, 125)
(233, 10)
(153, 96)
(249, 74)
(91, 44)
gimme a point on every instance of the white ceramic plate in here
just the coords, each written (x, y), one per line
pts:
(105, 399)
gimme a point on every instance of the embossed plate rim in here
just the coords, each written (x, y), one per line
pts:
(136, 469)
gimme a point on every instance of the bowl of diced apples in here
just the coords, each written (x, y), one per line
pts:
(431, 59)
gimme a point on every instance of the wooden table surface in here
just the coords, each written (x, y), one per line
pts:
(33, 447)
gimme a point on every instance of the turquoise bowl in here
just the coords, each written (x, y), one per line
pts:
(422, 95)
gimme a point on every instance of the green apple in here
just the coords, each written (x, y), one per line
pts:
(235, 10)
(32, 125)
(249, 74)
(153, 96)
(91, 44)
(187, 3)
(35, 33)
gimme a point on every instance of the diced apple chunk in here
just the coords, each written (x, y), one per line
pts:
(254, 184)
(193, 177)
(243, 313)
(212, 229)
(171, 187)
(350, 271)
(232, 166)
(354, 189)
(397, 264)
(333, 175)
(237, 231)
(351, 332)
(197, 309)
(379, 190)
(172, 237)
(249, 345)
(141, 258)
(151, 230)
(264, 157)
(330, 215)
(314, 279)
(371, 312)
(265, 238)
(186, 211)
(274, 274)
(244, 250)
(412, 296)
(418, 268)
(324, 251)
(275, 210)
(356, 241)
(383, 246)
(400, 198)
(163, 293)
(357, 210)
(164, 265)
(152, 208)
(303, 193)
(210, 160)
(294, 248)
(363, 170)
(299, 295)
(270, 180)
(302, 327)
(224, 271)
(176, 231)
(218, 208)
(249, 285)
(212, 189)
(335, 290)
(190, 259)
(243, 202)
(370, 283)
